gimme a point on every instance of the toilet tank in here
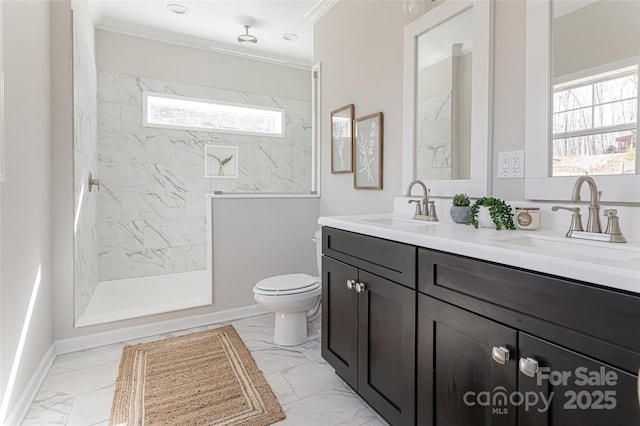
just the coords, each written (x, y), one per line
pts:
(318, 240)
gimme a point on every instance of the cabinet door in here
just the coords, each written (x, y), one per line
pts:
(386, 348)
(581, 390)
(459, 382)
(340, 319)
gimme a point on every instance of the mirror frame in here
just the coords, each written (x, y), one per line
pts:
(538, 183)
(479, 183)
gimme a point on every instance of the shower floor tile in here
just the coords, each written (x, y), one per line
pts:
(79, 386)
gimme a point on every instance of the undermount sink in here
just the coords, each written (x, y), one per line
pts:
(400, 222)
(564, 247)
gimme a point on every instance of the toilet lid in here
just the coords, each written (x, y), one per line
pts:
(288, 283)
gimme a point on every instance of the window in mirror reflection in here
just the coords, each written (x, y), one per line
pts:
(443, 109)
(595, 53)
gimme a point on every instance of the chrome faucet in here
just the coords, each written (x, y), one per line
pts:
(425, 209)
(613, 233)
(593, 222)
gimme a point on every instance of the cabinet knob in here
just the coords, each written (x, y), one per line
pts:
(351, 284)
(360, 287)
(500, 354)
(528, 366)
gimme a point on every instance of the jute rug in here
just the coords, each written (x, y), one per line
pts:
(204, 378)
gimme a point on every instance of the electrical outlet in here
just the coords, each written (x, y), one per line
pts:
(503, 164)
(516, 164)
(510, 164)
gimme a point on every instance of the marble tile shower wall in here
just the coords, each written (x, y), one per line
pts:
(85, 161)
(434, 137)
(152, 206)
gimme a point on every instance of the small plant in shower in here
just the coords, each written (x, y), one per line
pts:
(221, 163)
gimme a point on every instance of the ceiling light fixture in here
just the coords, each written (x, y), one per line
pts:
(178, 9)
(290, 36)
(246, 37)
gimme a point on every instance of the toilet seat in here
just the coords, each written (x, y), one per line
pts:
(287, 284)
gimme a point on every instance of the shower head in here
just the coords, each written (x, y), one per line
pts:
(246, 37)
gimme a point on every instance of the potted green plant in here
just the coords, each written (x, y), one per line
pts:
(489, 212)
(460, 210)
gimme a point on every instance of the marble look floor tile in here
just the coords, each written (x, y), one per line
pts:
(92, 408)
(79, 387)
(52, 411)
(334, 407)
(78, 382)
(86, 358)
(376, 422)
(281, 388)
(272, 358)
(312, 378)
(312, 349)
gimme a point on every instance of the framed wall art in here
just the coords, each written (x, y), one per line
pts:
(342, 140)
(221, 162)
(368, 152)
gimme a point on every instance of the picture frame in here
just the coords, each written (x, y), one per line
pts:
(342, 139)
(221, 162)
(367, 152)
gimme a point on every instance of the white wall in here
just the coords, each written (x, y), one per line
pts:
(25, 229)
(127, 54)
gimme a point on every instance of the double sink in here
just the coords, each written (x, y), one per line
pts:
(529, 242)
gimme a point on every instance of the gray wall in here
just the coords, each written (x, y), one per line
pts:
(577, 47)
(360, 47)
(25, 197)
(372, 80)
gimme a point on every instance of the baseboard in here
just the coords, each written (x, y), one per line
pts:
(74, 344)
(21, 407)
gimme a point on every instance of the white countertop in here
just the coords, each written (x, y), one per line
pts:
(588, 261)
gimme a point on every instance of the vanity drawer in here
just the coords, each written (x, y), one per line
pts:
(530, 300)
(388, 259)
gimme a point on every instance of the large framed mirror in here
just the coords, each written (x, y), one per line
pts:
(582, 98)
(447, 98)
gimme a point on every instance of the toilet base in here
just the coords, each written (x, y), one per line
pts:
(290, 329)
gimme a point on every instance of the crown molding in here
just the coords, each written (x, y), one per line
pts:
(198, 43)
(317, 11)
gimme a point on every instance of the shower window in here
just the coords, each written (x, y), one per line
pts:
(161, 110)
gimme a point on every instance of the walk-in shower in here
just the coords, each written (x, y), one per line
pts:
(160, 139)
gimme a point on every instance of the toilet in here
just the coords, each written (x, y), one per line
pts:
(291, 296)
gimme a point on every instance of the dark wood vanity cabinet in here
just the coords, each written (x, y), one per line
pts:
(368, 326)
(580, 372)
(455, 365)
(434, 338)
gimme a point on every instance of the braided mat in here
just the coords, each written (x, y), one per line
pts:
(204, 378)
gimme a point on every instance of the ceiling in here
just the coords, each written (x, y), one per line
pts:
(216, 24)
